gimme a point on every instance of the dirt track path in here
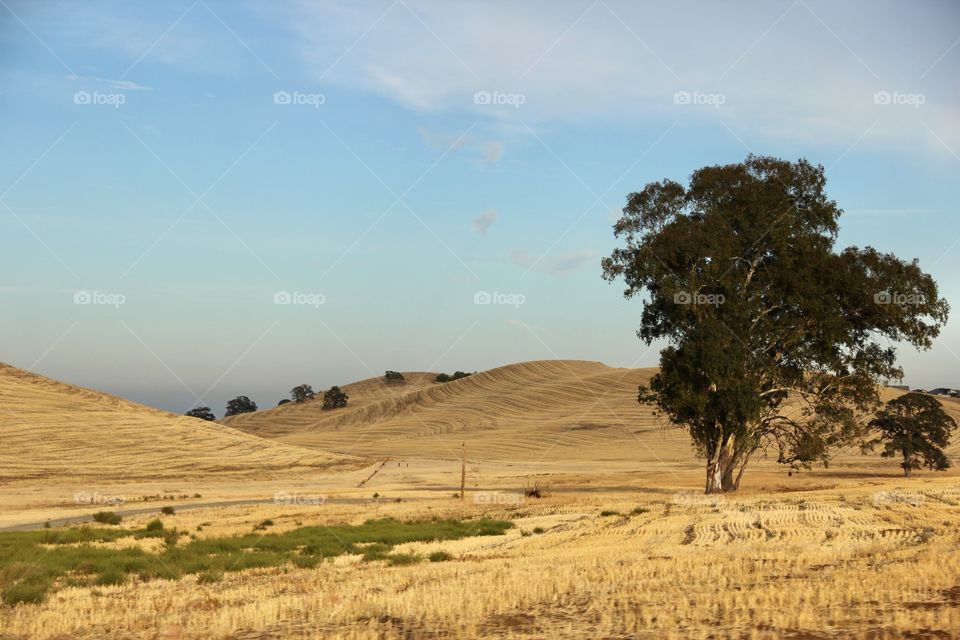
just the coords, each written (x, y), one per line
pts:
(88, 517)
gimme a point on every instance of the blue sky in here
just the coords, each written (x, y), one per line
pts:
(180, 164)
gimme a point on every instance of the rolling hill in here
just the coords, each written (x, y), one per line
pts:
(568, 410)
(528, 413)
(50, 429)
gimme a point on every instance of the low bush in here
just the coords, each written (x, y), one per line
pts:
(106, 517)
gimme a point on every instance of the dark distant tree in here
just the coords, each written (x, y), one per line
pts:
(335, 398)
(443, 377)
(283, 402)
(240, 404)
(741, 277)
(302, 393)
(916, 427)
(393, 376)
(204, 413)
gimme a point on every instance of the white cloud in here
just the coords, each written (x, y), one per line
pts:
(803, 71)
(484, 221)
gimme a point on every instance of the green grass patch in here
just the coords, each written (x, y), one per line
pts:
(34, 563)
(439, 556)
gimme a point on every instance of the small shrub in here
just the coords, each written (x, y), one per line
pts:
(402, 559)
(532, 491)
(46, 525)
(170, 537)
(606, 512)
(263, 525)
(26, 592)
(439, 556)
(636, 511)
(538, 530)
(106, 517)
(306, 562)
(111, 575)
(167, 511)
(155, 525)
(209, 577)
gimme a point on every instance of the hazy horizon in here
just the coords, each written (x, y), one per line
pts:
(208, 199)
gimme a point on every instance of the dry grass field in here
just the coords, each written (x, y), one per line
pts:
(622, 544)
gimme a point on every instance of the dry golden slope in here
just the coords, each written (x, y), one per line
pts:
(562, 411)
(554, 409)
(51, 429)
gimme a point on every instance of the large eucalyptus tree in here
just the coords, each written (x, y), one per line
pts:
(776, 339)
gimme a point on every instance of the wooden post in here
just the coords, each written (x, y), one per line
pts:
(463, 472)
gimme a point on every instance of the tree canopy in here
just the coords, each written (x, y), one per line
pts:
(916, 427)
(240, 404)
(335, 398)
(302, 393)
(776, 339)
(204, 413)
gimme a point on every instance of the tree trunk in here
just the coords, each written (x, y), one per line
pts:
(721, 466)
(714, 475)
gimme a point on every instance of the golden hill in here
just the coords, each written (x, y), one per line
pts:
(532, 414)
(50, 429)
(568, 410)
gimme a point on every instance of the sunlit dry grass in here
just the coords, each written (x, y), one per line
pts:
(876, 563)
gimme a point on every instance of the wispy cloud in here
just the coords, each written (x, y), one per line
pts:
(552, 265)
(126, 85)
(492, 151)
(484, 221)
(581, 63)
